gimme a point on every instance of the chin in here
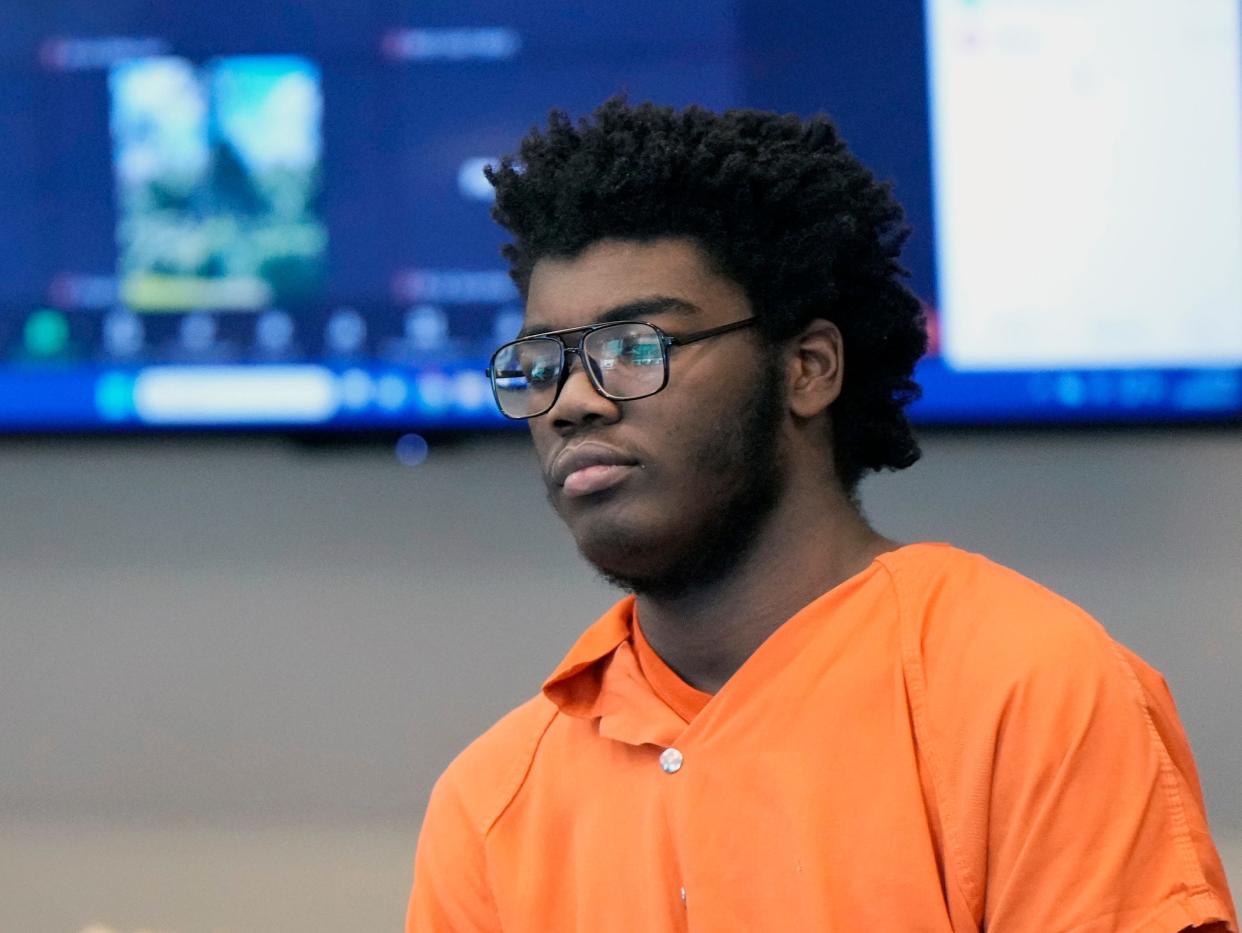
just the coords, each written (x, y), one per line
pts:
(665, 552)
(622, 551)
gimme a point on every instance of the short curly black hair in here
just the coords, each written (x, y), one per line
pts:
(777, 203)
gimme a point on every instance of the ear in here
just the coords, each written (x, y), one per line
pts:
(816, 367)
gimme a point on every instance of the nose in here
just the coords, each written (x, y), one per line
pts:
(580, 403)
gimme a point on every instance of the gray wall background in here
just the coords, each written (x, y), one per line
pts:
(256, 631)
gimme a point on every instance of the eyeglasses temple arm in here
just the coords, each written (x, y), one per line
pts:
(711, 332)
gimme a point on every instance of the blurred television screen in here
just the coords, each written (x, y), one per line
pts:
(274, 216)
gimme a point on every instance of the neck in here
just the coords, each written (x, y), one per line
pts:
(802, 551)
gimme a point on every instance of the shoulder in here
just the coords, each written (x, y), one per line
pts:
(947, 582)
(451, 890)
(1061, 777)
(972, 622)
(1001, 669)
(483, 779)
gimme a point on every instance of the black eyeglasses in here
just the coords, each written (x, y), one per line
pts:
(625, 360)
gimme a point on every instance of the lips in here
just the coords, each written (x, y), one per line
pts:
(590, 467)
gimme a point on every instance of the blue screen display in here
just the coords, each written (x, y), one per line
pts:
(273, 216)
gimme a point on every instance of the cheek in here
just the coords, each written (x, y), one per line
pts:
(541, 438)
(691, 458)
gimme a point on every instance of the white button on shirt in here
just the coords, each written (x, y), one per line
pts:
(670, 760)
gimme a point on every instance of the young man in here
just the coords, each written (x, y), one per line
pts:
(793, 723)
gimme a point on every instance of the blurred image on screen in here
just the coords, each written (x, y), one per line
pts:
(217, 218)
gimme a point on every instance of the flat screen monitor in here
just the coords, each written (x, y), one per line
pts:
(273, 216)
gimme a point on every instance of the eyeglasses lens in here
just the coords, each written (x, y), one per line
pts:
(526, 375)
(628, 359)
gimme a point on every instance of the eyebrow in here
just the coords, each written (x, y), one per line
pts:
(630, 311)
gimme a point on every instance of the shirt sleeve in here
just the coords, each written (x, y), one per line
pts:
(450, 893)
(1090, 819)
(1074, 794)
(1068, 787)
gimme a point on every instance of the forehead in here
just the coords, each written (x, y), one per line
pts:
(611, 273)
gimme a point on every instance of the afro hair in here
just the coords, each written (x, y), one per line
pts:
(777, 203)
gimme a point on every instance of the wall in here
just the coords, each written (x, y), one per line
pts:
(255, 634)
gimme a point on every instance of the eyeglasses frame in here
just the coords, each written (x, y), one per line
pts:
(667, 341)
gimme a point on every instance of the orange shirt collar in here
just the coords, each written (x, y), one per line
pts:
(575, 694)
(601, 679)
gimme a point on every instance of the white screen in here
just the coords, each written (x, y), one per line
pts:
(1088, 181)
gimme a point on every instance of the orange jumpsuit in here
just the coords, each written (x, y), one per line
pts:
(935, 744)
